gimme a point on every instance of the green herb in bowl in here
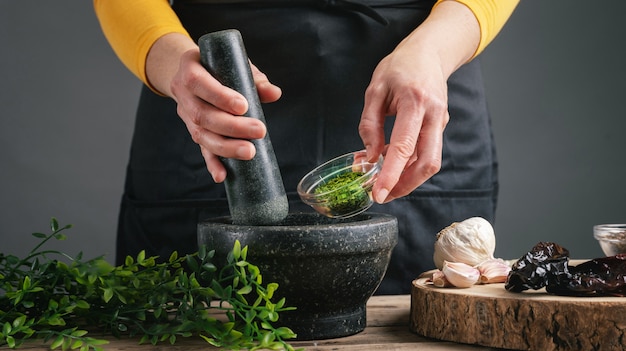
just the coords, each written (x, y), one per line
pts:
(341, 187)
(344, 193)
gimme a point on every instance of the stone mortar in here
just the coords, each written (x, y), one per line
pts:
(326, 268)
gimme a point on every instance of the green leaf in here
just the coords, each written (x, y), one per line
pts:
(66, 344)
(237, 250)
(82, 304)
(271, 288)
(121, 297)
(108, 294)
(76, 344)
(244, 253)
(279, 305)
(78, 333)
(210, 340)
(192, 263)
(10, 342)
(129, 261)
(267, 338)
(39, 235)
(157, 312)
(202, 253)
(57, 342)
(284, 333)
(141, 256)
(173, 257)
(6, 328)
(209, 267)
(12, 260)
(235, 334)
(245, 290)
(26, 283)
(56, 320)
(19, 321)
(53, 305)
(54, 224)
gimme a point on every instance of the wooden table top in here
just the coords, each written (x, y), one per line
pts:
(387, 330)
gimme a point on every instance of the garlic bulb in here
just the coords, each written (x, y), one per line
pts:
(471, 241)
(460, 274)
(493, 271)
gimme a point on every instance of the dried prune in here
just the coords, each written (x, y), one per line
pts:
(543, 264)
(547, 265)
(604, 276)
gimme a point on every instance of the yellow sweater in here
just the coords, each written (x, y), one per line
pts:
(132, 26)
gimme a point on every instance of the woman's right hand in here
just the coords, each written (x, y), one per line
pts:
(211, 111)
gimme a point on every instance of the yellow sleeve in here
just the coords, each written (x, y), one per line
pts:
(132, 27)
(491, 16)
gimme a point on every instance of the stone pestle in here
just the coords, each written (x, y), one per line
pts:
(255, 190)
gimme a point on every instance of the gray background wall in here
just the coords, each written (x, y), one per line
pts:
(554, 80)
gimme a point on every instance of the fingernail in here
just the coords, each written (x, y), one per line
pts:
(382, 195)
(257, 130)
(242, 152)
(245, 153)
(239, 105)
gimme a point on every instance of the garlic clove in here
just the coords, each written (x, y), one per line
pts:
(439, 280)
(460, 274)
(471, 241)
(493, 271)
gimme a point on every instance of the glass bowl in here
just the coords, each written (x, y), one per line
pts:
(341, 187)
(612, 238)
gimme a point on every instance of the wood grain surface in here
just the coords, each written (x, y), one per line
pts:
(387, 330)
(491, 316)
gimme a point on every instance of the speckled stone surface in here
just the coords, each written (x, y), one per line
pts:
(327, 268)
(255, 190)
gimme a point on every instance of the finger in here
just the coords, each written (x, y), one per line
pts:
(268, 92)
(214, 165)
(371, 126)
(401, 149)
(197, 80)
(208, 117)
(427, 162)
(222, 146)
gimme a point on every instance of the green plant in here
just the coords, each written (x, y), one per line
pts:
(55, 297)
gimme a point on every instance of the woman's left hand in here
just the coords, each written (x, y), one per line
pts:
(413, 88)
(411, 83)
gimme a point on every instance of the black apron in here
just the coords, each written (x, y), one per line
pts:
(322, 54)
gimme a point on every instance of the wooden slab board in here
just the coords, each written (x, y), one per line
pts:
(489, 315)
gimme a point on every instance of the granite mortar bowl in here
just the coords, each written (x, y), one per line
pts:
(326, 268)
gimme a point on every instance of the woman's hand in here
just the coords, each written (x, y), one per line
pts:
(212, 112)
(411, 83)
(412, 87)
